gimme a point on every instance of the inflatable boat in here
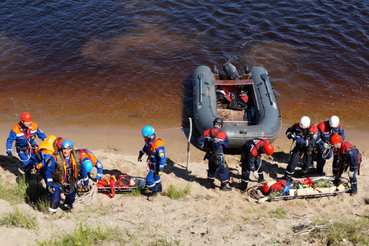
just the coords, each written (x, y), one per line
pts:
(246, 103)
(303, 188)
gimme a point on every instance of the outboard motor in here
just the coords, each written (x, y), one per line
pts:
(230, 70)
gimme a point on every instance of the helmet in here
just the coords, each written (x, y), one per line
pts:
(334, 121)
(147, 131)
(66, 144)
(88, 165)
(26, 116)
(218, 121)
(336, 138)
(304, 122)
(230, 70)
(268, 148)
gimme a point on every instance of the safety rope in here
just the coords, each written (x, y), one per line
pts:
(326, 151)
(308, 219)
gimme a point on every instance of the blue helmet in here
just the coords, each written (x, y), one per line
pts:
(66, 144)
(147, 131)
(88, 165)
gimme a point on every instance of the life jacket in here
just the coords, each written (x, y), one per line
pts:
(83, 153)
(255, 149)
(46, 147)
(108, 186)
(156, 143)
(51, 146)
(214, 136)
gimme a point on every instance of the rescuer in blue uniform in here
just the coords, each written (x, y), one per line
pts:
(155, 149)
(24, 134)
(327, 129)
(62, 170)
(214, 142)
(251, 159)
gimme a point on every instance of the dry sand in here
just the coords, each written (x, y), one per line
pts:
(203, 217)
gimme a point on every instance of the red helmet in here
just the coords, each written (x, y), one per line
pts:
(336, 138)
(26, 116)
(268, 149)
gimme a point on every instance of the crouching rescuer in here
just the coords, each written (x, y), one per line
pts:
(251, 160)
(154, 148)
(214, 142)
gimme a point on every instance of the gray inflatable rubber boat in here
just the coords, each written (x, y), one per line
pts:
(246, 103)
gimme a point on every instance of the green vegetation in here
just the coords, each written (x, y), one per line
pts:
(24, 192)
(85, 235)
(18, 219)
(176, 193)
(279, 213)
(165, 242)
(354, 231)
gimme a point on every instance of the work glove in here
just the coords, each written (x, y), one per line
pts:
(140, 154)
(326, 146)
(256, 175)
(50, 189)
(9, 153)
(298, 139)
(290, 136)
(158, 172)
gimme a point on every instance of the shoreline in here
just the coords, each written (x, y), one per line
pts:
(128, 140)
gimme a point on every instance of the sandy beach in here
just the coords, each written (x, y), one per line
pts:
(203, 217)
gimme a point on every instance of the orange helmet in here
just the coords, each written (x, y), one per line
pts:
(26, 116)
(336, 138)
(268, 149)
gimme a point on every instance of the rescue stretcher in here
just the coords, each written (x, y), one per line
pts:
(118, 184)
(302, 188)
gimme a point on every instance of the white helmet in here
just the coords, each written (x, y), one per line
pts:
(334, 121)
(304, 122)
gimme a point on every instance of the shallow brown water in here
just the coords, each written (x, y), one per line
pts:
(129, 63)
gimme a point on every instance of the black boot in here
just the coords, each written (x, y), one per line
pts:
(211, 184)
(243, 186)
(224, 187)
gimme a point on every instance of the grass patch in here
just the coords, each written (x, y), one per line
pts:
(177, 193)
(167, 242)
(279, 213)
(16, 193)
(85, 235)
(135, 192)
(254, 212)
(351, 230)
(19, 219)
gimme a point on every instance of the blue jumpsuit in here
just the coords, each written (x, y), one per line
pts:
(24, 138)
(308, 139)
(326, 132)
(155, 150)
(67, 185)
(348, 156)
(215, 141)
(251, 160)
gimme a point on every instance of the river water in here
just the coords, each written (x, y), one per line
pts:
(129, 63)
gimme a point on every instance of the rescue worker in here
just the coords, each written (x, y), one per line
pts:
(324, 152)
(154, 148)
(348, 157)
(251, 153)
(214, 142)
(62, 170)
(24, 134)
(306, 136)
(86, 155)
